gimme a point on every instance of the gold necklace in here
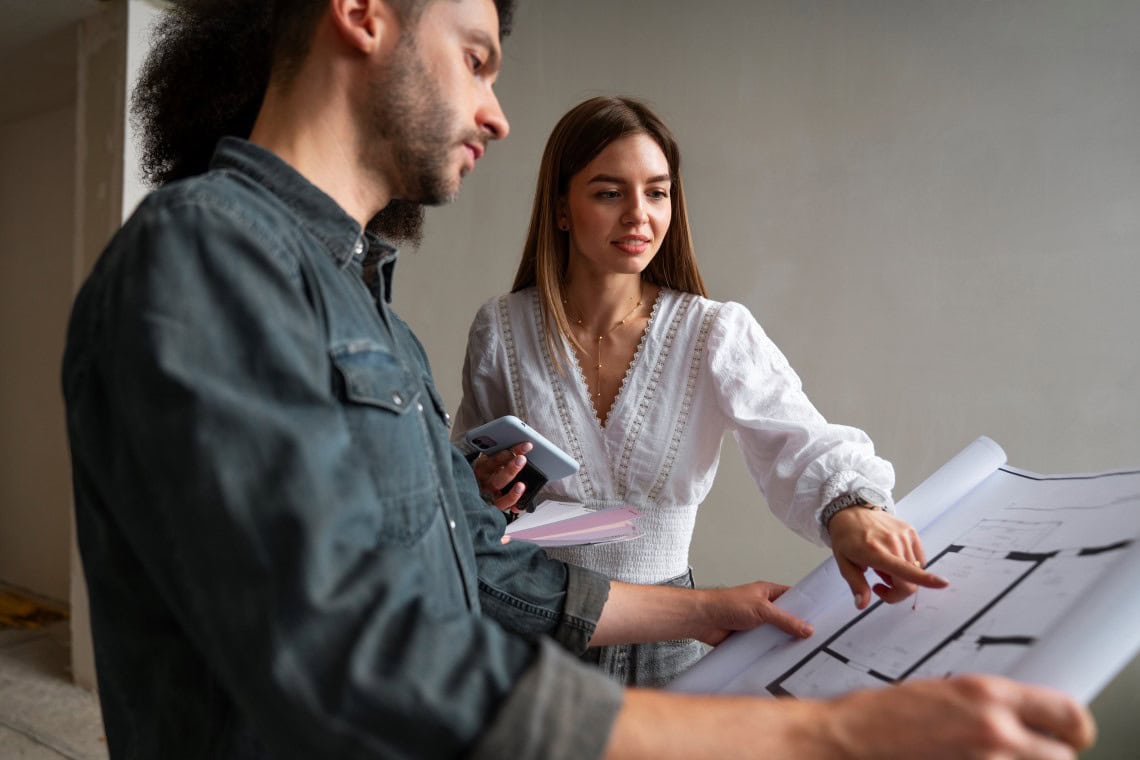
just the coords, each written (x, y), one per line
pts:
(606, 334)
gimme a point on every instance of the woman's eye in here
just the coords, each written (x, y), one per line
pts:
(659, 194)
(608, 195)
(474, 62)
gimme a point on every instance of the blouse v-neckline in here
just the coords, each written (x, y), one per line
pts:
(584, 388)
(605, 453)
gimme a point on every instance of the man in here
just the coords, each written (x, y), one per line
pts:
(284, 555)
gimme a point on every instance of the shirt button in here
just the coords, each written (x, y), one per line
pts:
(358, 248)
(397, 398)
(419, 407)
(447, 418)
(451, 523)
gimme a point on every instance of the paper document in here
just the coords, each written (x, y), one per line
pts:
(1042, 572)
(560, 523)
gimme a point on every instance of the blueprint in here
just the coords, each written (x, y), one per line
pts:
(1041, 573)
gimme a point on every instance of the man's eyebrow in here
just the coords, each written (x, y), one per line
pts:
(608, 178)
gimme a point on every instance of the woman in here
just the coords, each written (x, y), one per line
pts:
(608, 346)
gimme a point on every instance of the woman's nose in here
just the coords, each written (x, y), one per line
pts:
(635, 213)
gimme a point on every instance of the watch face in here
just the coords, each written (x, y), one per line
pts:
(872, 497)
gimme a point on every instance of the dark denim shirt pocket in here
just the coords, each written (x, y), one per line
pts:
(382, 403)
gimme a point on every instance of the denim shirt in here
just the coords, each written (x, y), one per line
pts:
(285, 555)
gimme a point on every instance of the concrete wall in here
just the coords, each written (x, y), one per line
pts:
(37, 223)
(36, 199)
(61, 168)
(932, 207)
(67, 179)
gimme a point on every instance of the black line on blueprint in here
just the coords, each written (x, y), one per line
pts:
(1035, 564)
(1034, 559)
(985, 641)
(775, 687)
(1102, 549)
(841, 657)
(1030, 556)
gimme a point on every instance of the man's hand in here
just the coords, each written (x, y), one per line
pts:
(866, 538)
(636, 614)
(741, 608)
(961, 717)
(495, 472)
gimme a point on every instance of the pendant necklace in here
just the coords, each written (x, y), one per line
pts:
(601, 338)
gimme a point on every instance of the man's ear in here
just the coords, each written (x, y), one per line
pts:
(365, 25)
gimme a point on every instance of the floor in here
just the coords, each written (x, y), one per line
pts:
(42, 715)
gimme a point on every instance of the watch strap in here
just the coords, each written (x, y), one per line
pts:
(840, 503)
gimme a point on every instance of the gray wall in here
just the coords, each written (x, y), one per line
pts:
(62, 159)
(37, 199)
(933, 207)
(36, 238)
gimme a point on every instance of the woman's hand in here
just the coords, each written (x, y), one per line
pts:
(870, 538)
(494, 472)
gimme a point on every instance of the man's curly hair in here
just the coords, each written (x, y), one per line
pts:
(209, 67)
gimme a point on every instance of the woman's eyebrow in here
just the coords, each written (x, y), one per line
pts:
(609, 178)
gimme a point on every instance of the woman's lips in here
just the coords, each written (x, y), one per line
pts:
(632, 245)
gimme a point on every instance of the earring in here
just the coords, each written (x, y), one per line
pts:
(563, 226)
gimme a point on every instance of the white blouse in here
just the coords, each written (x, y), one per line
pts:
(702, 368)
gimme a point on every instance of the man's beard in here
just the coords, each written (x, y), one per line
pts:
(411, 119)
(399, 222)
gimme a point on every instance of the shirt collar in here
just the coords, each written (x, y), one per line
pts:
(346, 242)
(377, 266)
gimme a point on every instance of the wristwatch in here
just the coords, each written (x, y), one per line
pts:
(859, 498)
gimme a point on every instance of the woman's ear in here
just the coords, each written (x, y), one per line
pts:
(562, 215)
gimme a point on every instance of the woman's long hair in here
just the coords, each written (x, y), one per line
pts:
(577, 139)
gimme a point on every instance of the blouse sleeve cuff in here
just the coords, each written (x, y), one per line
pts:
(845, 482)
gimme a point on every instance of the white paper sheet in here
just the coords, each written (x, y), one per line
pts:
(560, 523)
(1042, 573)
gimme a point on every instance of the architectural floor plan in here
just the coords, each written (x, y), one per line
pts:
(1029, 559)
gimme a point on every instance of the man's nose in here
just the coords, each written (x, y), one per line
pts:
(491, 118)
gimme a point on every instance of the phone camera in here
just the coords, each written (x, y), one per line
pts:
(484, 442)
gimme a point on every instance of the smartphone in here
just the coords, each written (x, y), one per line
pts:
(544, 463)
